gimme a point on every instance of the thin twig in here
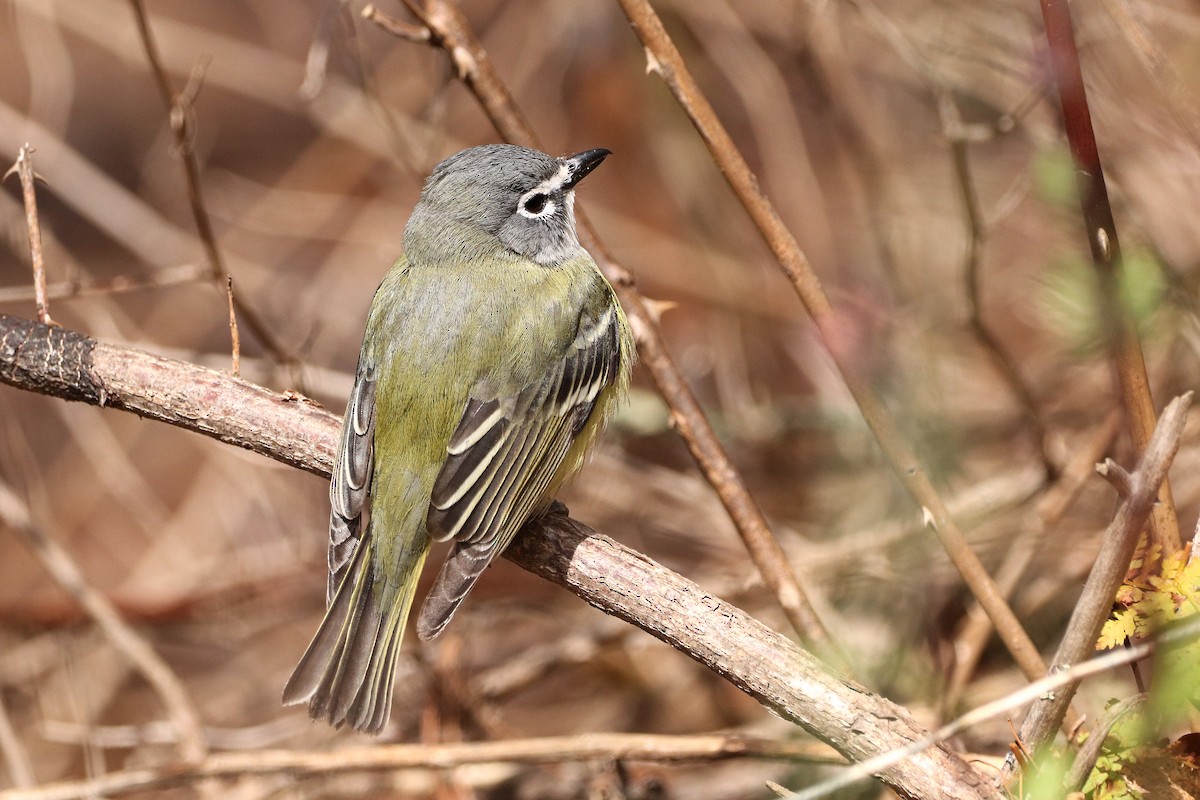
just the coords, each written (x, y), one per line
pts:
(234, 338)
(960, 136)
(183, 129)
(1086, 758)
(1119, 329)
(1050, 685)
(954, 131)
(551, 750)
(179, 109)
(1095, 602)
(449, 30)
(1117, 477)
(664, 58)
(24, 169)
(397, 137)
(765, 665)
(56, 560)
(316, 63)
(1047, 511)
(160, 732)
(420, 34)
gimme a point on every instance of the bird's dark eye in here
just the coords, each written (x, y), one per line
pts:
(535, 203)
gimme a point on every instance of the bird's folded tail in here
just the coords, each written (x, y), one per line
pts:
(464, 565)
(346, 673)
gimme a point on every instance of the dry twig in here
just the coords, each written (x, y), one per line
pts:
(665, 59)
(236, 339)
(179, 109)
(448, 29)
(1047, 511)
(168, 276)
(24, 169)
(959, 141)
(56, 560)
(1120, 330)
(1119, 542)
(624, 746)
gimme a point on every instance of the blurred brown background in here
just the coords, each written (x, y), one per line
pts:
(852, 114)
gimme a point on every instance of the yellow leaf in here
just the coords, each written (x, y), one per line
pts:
(1117, 629)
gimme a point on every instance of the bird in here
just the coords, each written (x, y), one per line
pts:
(494, 353)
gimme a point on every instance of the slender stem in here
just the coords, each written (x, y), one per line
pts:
(1124, 347)
(953, 129)
(549, 750)
(234, 336)
(666, 60)
(976, 629)
(179, 107)
(1107, 573)
(168, 276)
(24, 169)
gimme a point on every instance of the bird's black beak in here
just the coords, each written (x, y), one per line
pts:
(580, 164)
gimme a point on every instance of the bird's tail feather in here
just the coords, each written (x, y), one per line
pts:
(346, 673)
(464, 565)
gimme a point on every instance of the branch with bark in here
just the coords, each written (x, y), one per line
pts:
(762, 663)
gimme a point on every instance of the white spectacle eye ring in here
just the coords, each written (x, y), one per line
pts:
(535, 204)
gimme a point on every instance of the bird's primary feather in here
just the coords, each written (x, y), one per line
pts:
(508, 456)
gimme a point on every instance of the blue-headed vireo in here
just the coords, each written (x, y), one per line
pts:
(494, 353)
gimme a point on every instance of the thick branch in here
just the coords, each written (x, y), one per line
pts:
(59, 362)
(767, 666)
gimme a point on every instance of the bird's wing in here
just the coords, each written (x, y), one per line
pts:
(504, 455)
(351, 482)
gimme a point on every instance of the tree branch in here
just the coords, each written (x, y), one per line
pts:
(765, 665)
(66, 364)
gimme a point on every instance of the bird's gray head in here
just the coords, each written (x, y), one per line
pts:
(523, 197)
